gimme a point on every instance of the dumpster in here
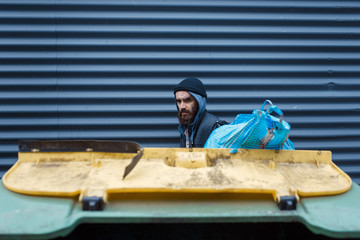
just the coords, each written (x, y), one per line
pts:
(58, 188)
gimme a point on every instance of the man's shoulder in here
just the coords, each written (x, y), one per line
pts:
(210, 116)
(208, 123)
(212, 120)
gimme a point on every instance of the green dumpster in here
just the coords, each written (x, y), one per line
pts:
(74, 189)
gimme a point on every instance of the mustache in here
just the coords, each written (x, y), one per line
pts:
(184, 111)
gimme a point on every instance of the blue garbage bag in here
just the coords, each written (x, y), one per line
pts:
(259, 130)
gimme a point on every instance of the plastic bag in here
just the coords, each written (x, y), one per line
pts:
(259, 130)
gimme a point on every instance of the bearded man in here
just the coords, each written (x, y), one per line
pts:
(196, 123)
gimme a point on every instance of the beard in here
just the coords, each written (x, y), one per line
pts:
(189, 117)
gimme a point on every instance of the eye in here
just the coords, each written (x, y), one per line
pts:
(187, 100)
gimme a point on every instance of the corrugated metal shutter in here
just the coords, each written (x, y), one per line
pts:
(106, 69)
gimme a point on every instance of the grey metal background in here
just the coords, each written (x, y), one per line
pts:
(106, 69)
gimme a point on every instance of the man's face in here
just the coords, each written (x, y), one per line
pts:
(188, 107)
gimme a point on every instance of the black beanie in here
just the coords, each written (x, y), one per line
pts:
(191, 84)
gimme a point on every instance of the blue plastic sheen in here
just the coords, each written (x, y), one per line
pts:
(259, 130)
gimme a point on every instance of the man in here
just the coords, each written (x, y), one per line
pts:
(196, 123)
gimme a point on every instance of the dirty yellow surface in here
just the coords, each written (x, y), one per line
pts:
(169, 170)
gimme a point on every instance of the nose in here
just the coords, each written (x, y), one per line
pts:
(182, 105)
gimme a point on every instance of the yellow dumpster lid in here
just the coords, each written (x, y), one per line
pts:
(90, 171)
